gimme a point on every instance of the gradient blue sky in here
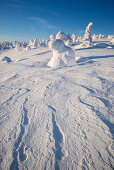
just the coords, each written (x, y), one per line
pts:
(24, 19)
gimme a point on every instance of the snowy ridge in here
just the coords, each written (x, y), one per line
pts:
(57, 118)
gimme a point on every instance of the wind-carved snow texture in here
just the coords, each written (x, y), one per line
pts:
(57, 118)
(100, 115)
(58, 137)
(104, 101)
(18, 150)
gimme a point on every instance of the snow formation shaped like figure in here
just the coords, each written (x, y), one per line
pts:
(64, 37)
(62, 55)
(87, 35)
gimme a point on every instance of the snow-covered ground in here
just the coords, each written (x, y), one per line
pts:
(57, 118)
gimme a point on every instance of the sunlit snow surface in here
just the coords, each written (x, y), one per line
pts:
(57, 118)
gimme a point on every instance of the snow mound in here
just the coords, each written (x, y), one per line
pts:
(109, 47)
(62, 55)
(6, 59)
(85, 44)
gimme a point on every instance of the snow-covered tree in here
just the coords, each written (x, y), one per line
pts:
(62, 55)
(110, 36)
(35, 43)
(87, 36)
(31, 42)
(43, 43)
(94, 37)
(73, 38)
(64, 37)
(17, 46)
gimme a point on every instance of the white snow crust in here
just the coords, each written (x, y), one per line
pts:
(57, 118)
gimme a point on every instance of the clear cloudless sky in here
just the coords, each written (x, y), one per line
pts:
(24, 19)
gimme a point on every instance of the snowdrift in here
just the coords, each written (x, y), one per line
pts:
(6, 59)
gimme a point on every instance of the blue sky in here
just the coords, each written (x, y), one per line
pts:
(24, 19)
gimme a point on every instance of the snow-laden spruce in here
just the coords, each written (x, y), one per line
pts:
(87, 36)
(62, 55)
(87, 40)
